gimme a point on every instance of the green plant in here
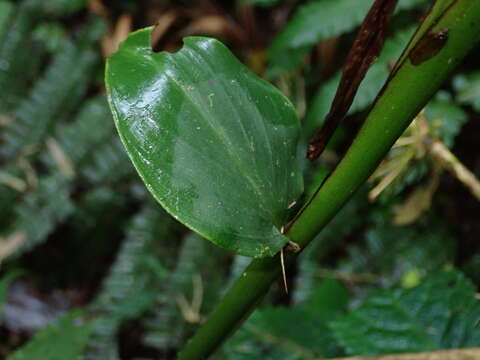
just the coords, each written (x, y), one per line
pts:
(79, 226)
(182, 94)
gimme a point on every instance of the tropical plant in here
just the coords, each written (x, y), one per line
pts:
(382, 268)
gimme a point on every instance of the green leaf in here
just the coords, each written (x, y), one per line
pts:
(40, 211)
(166, 326)
(345, 223)
(5, 11)
(107, 164)
(128, 290)
(63, 340)
(391, 251)
(51, 34)
(446, 119)
(77, 138)
(468, 89)
(63, 7)
(58, 92)
(16, 45)
(300, 331)
(318, 20)
(440, 313)
(215, 145)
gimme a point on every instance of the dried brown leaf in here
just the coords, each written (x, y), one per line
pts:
(364, 51)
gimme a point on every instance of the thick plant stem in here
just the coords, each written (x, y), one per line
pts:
(406, 92)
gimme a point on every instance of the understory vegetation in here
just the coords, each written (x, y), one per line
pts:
(91, 267)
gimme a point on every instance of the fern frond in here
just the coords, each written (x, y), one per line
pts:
(17, 65)
(108, 163)
(41, 211)
(12, 186)
(55, 94)
(191, 289)
(62, 7)
(76, 139)
(6, 9)
(129, 287)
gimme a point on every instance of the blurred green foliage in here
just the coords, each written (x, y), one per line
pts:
(76, 219)
(440, 313)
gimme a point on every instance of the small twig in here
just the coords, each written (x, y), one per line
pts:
(10, 244)
(349, 277)
(452, 164)
(191, 311)
(287, 344)
(12, 181)
(197, 297)
(63, 162)
(284, 274)
(31, 174)
(400, 166)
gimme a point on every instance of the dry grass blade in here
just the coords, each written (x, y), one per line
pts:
(455, 354)
(10, 244)
(115, 36)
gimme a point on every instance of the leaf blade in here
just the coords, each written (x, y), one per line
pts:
(215, 145)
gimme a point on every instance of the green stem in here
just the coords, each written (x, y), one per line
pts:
(407, 91)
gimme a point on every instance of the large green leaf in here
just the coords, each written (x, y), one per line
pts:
(215, 144)
(441, 313)
(294, 333)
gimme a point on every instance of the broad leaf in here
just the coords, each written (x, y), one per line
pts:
(441, 313)
(298, 332)
(215, 145)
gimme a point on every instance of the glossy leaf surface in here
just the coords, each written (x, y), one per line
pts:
(214, 144)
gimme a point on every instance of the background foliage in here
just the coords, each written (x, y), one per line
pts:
(93, 268)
